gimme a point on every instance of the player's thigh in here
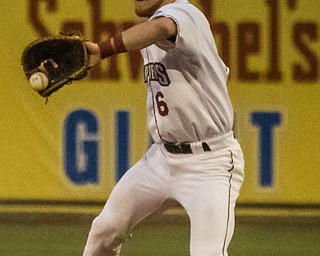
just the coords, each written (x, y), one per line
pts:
(208, 191)
(135, 196)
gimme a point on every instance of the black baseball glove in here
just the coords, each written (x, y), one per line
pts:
(61, 58)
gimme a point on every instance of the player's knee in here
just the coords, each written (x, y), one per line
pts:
(108, 227)
(106, 235)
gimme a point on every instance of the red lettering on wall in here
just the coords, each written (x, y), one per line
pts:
(302, 34)
(274, 73)
(237, 43)
(34, 15)
(248, 44)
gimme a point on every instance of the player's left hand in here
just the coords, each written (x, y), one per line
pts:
(61, 58)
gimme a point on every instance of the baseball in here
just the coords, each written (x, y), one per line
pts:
(39, 81)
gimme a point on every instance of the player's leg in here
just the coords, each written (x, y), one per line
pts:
(139, 193)
(208, 192)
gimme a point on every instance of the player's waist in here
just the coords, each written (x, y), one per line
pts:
(212, 144)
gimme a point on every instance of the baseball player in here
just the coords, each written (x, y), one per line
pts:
(195, 159)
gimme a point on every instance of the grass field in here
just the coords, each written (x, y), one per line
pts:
(253, 236)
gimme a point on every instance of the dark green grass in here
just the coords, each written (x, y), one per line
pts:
(253, 236)
(283, 237)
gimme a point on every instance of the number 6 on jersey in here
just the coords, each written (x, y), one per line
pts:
(162, 106)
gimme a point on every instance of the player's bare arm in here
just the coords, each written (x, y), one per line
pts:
(148, 33)
(135, 38)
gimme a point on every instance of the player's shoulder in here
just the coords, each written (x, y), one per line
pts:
(178, 7)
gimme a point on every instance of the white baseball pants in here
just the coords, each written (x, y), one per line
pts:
(206, 184)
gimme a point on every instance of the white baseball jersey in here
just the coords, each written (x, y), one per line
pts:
(186, 80)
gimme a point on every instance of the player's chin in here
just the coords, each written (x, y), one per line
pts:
(141, 14)
(143, 10)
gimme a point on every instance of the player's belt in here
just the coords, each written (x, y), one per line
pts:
(212, 144)
(183, 148)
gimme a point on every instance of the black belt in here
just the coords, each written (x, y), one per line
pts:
(183, 148)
